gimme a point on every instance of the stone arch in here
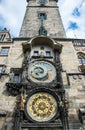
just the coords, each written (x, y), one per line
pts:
(44, 40)
(81, 58)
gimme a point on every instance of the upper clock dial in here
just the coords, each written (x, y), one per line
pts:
(42, 2)
(41, 107)
(41, 72)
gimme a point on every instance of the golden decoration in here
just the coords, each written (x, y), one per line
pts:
(23, 100)
(41, 106)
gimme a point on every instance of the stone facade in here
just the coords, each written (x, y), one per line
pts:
(53, 23)
(19, 54)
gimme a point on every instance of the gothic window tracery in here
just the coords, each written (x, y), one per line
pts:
(81, 58)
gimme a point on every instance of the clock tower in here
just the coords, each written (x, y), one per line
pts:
(42, 94)
(44, 12)
(42, 73)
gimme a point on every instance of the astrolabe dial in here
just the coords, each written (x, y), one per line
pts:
(41, 107)
(41, 71)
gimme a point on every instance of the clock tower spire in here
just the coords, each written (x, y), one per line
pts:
(46, 10)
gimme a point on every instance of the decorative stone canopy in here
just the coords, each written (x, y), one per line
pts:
(42, 40)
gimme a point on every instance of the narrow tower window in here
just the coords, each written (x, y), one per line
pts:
(42, 16)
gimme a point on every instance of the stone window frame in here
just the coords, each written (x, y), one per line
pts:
(43, 14)
(16, 78)
(79, 42)
(48, 53)
(36, 53)
(13, 73)
(81, 114)
(81, 58)
(4, 51)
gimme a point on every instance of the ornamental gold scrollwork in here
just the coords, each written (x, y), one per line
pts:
(41, 107)
(23, 100)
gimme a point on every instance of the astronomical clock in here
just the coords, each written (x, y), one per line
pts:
(41, 72)
(42, 106)
(40, 101)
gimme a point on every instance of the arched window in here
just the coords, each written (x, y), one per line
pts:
(81, 58)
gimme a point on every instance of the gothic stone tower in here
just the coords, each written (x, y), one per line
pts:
(46, 11)
(41, 20)
(42, 73)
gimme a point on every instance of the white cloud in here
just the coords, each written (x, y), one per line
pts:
(12, 13)
(66, 8)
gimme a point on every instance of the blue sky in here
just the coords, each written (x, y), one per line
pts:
(73, 17)
(72, 14)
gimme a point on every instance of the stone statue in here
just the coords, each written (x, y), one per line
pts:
(42, 30)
